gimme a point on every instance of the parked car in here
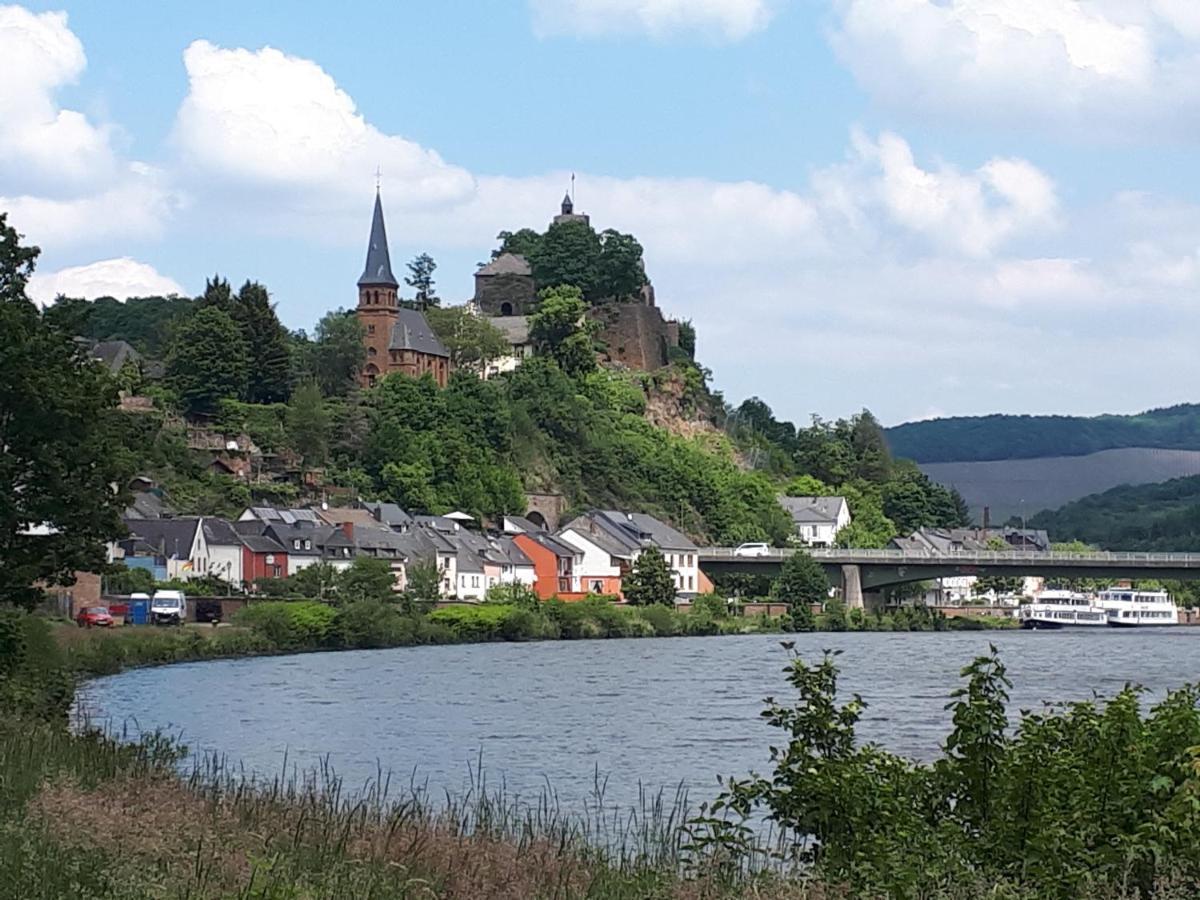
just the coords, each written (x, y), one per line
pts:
(94, 616)
(168, 608)
(752, 550)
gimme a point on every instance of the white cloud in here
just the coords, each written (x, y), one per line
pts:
(267, 120)
(1065, 64)
(120, 278)
(729, 19)
(60, 179)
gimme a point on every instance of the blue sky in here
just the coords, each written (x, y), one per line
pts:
(922, 207)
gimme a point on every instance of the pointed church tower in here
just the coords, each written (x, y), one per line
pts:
(378, 309)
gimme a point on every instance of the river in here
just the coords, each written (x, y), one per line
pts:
(653, 713)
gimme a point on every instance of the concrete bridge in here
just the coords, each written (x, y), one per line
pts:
(859, 571)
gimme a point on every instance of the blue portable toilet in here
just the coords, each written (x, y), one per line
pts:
(139, 611)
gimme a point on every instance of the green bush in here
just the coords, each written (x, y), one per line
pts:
(302, 624)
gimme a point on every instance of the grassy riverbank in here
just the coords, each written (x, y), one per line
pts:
(1097, 800)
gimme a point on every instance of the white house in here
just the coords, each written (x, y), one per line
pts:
(611, 542)
(224, 551)
(516, 331)
(817, 520)
(180, 541)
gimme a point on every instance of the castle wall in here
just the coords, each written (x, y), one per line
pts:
(635, 334)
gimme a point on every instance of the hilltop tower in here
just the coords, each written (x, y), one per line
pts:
(396, 339)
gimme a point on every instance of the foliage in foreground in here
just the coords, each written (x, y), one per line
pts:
(1082, 801)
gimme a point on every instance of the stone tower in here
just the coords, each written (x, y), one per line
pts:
(378, 307)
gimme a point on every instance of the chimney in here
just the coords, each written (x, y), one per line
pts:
(987, 518)
(348, 529)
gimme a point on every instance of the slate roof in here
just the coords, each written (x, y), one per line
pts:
(514, 328)
(114, 354)
(813, 510)
(553, 544)
(221, 533)
(148, 505)
(261, 543)
(389, 514)
(378, 270)
(169, 537)
(642, 527)
(412, 332)
(520, 524)
(287, 535)
(507, 264)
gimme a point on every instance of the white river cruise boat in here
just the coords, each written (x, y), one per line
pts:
(1061, 609)
(1130, 608)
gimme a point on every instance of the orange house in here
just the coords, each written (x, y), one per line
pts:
(553, 564)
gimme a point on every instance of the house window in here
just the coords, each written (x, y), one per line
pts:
(308, 545)
(296, 544)
(691, 583)
(597, 587)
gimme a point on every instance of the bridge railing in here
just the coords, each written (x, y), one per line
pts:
(1183, 560)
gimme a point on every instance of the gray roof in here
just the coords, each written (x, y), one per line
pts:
(260, 543)
(412, 332)
(514, 328)
(169, 537)
(389, 514)
(148, 505)
(519, 524)
(606, 535)
(507, 264)
(643, 528)
(813, 510)
(221, 533)
(554, 545)
(114, 354)
(287, 535)
(378, 270)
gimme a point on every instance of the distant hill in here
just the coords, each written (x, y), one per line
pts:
(996, 437)
(1148, 517)
(1014, 487)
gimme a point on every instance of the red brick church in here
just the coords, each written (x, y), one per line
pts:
(397, 339)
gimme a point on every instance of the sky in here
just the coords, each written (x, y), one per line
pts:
(920, 207)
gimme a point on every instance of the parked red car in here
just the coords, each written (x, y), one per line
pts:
(94, 616)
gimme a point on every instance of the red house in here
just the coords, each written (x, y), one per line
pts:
(553, 563)
(262, 557)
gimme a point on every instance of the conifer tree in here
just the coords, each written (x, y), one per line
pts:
(266, 345)
(650, 581)
(207, 361)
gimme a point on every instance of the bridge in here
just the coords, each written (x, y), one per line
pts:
(858, 571)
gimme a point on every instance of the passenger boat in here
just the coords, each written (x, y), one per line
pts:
(1061, 609)
(1131, 608)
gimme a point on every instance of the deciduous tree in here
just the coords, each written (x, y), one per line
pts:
(61, 476)
(420, 279)
(801, 584)
(561, 330)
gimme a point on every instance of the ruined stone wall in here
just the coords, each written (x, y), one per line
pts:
(634, 334)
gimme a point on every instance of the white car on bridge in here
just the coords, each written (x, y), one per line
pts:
(753, 550)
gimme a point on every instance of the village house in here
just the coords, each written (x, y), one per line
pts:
(610, 542)
(226, 557)
(178, 542)
(817, 520)
(554, 564)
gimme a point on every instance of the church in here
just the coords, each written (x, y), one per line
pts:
(397, 339)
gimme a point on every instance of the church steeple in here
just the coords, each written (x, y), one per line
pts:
(378, 270)
(568, 205)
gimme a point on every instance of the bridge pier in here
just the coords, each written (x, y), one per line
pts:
(852, 593)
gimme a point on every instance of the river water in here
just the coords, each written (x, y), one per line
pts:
(647, 713)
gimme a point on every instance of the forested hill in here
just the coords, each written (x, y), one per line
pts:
(1148, 517)
(975, 438)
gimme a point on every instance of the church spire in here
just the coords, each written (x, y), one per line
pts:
(568, 205)
(378, 271)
